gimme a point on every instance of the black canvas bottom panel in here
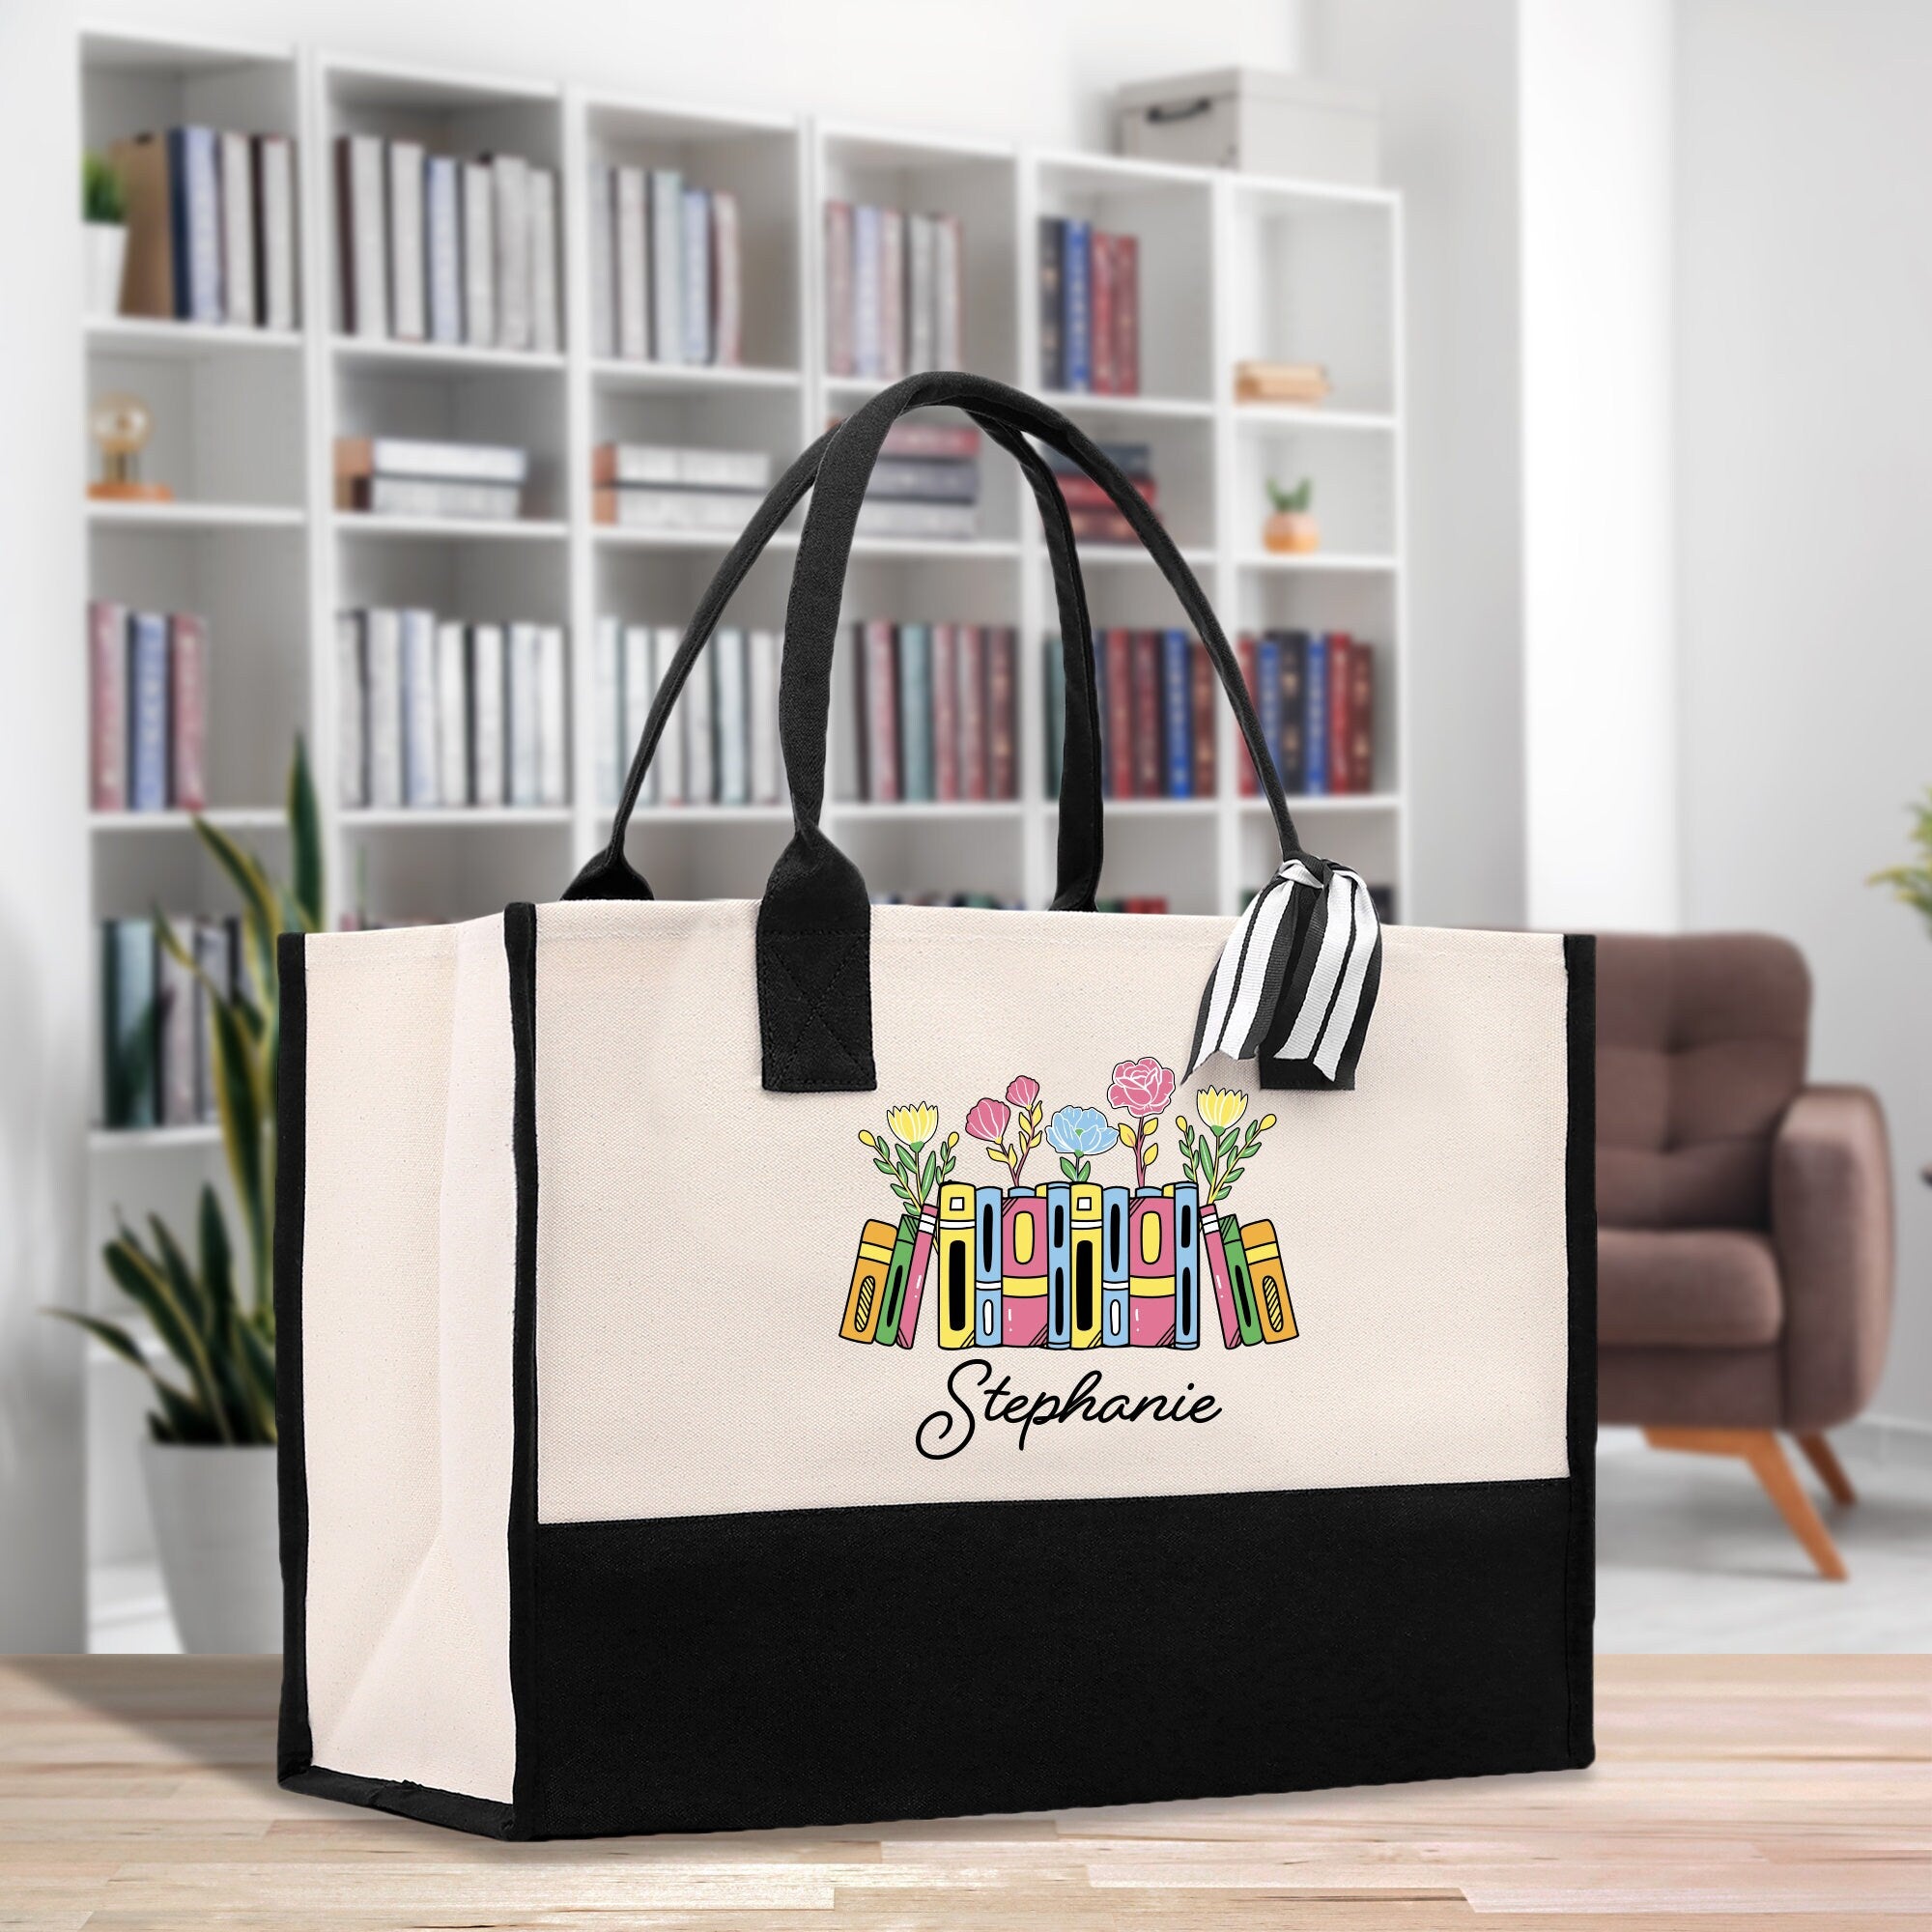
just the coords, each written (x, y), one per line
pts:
(454, 1808)
(840, 1665)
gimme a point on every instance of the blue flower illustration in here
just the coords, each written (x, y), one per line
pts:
(1075, 1132)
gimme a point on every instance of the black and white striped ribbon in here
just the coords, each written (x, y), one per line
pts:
(1298, 976)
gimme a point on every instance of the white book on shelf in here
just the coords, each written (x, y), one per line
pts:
(422, 783)
(640, 681)
(553, 716)
(408, 297)
(489, 740)
(948, 292)
(632, 235)
(352, 713)
(443, 244)
(700, 732)
(364, 236)
(510, 182)
(382, 655)
(697, 288)
(671, 764)
(546, 317)
(892, 294)
(480, 256)
(238, 228)
(522, 708)
(727, 281)
(606, 709)
(763, 707)
(922, 270)
(603, 252)
(275, 229)
(731, 729)
(666, 246)
(867, 352)
(452, 712)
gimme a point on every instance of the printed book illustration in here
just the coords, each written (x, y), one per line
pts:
(1080, 1262)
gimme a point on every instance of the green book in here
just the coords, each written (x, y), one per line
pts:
(898, 1269)
(1241, 1282)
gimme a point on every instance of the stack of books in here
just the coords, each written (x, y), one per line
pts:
(721, 744)
(1093, 513)
(403, 476)
(147, 711)
(936, 712)
(210, 226)
(926, 484)
(438, 712)
(666, 273)
(894, 293)
(1157, 695)
(1315, 694)
(649, 486)
(1281, 382)
(1090, 310)
(438, 249)
(158, 1057)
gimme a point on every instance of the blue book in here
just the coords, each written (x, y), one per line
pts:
(194, 220)
(1058, 1265)
(697, 276)
(1315, 715)
(1176, 707)
(1113, 1289)
(130, 1059)
(147, 712)
(1268, 694)
(990, 1205)
(1076, 293)
(1294, 710)
(1186, 1264)
(916, 711)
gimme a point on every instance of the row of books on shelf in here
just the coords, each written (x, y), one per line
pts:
(442, 248)
(147, 709)
(936, 713)
(720, 744)
(210, 226)
(1156, 694)
(439, 712)
(667, 278)
(1090, 308)
(413, 476)
(1315, 695)
(894, 298)
(1094, 516)
(158, 1037)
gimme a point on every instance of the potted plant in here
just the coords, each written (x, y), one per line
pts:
(1290, 527)
(103, 214)
(209, 1459)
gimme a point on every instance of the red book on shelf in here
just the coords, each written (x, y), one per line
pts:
(1362, 714)
(946, 713)
(879, 711)
(839, 288)
(1341, 699)
(1126, 255)
(1205, 709)
(1002, 723)
(970, 660)
(1251, 782)
(1120, 732)
(107, 705)
(1083, 492)
(1100, 311)
(1147, 745)
(188, 714)
(943, 440)
(1106, 526)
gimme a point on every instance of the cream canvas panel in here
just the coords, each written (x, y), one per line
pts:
(408, 1303)
(696, 1235)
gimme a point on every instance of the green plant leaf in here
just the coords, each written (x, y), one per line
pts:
(261, 911)
(258, 1361)
(240, 1107)
(305, 841)
(145, 1283)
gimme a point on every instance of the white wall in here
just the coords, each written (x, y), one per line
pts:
(1805, 486)
(1600, 658)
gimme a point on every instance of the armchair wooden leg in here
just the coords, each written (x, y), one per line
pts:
(1822, 1458)
(1761, 1449)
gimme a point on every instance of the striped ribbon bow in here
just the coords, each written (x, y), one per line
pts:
(1296, 981)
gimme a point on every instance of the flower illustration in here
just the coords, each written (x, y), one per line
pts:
(913, 1125)
(1075, 1132)
(913, 1177)
(1221, 1106)
(1143, 1087)
(988, 1121)
(1021, 1092)
(1216, 1155)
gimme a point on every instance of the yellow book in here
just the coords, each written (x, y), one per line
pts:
(1085, 1261)
(1270, 1284)
(868, 1280)
(959, 1202)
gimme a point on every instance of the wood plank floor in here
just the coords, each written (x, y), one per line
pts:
(1793, 1791)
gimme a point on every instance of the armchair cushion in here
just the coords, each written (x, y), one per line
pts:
(1686, 1288)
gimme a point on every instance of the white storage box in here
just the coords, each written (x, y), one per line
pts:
(1260, 123)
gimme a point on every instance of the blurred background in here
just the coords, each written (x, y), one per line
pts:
(1536, 386)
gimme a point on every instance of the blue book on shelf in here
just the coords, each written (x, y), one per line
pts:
(1186, 1263)
(1268, 692)
(1058, 1265)
(1114, 1287)
(1176, 707)
(194, 221)
(1294, 765)
(1076, 293)
(989, 1202)
(697, 276)
(148, 712)
(916, 711)
(1315, 716)
(130, 1059)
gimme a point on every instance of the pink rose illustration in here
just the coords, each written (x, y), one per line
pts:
(1143, 1087)
(1023, 1093)
(988, 1121)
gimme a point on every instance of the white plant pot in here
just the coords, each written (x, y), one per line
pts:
(103, 247)
(215, 1527)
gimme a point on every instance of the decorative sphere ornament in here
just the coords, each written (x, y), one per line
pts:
(122, 424)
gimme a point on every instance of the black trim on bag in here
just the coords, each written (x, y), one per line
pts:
(1579, 1191)
(425, 1802)
(294, 1746)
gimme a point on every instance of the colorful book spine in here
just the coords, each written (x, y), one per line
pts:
(1206, 711)
(914, 691)
(892, 294)
(958, 1278)
(1362, 718)
(1315, 728)
(924, 1241)
(1215, 1260)
(1052, 352)
(972, 706)
(1177, 712)
(1150, 1270)
(1119, 714)
(188, 714)
(1341, 702)
(107, 705)
(1058, 1265)
(1023, 1271)
(1084, 1267)
(1115, 1287)
(1293, 708)
(1002, 729)
(946, 713)
(1186, 1262)
(1076, 326)
(898, 1272)
(987, 1276)
(1126, 315)
(148, 712)
(839, 289)
(1247, 654)
(1241, 1281)
(1268, 678)
(865, 1300)
(1100, 306)
(1274, 1311)
(1147, 714)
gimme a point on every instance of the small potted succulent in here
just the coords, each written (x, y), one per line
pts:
(103, 214)
(1290, 526)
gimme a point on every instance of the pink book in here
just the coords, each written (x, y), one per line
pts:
(1101, 313)
(187, 713)
(728, 308)
(881, 713)
(1217, 1273)
(107, 705)
(1118, 731)
(970, 654)
(839, 289)
(1023, 1260)
(1245, 650)
(921, 1264)
(892, 292)
(946, 712)
(1125, 253)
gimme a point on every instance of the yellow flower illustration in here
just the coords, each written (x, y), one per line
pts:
(1221, 1106)
(913, 1125)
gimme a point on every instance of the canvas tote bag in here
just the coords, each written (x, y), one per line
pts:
(757, 1364)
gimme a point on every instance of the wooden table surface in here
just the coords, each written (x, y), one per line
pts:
(1788, 1792)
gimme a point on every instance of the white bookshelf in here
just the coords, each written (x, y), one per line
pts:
(1231, 267)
